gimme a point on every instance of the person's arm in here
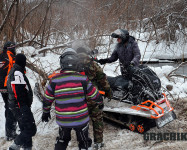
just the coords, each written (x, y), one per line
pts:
(92, 93)
(111, 59)
(48, 97)
(101, 80)
(47, 101)
(136, 52)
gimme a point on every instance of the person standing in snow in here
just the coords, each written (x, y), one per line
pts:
(69, 90)
(7, 59)
(127, 51)
(20, 100)
(98, 78)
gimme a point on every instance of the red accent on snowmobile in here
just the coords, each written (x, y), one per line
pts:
(140, 128)
(52, 75)
(153, 105)
(102, 92)
(132, 127)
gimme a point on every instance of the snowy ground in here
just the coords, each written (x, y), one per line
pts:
(114, 137)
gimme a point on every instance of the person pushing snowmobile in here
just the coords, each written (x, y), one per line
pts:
(95, 74)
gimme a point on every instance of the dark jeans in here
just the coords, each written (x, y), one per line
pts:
(10, 120)
(27, 127)
(65, 136)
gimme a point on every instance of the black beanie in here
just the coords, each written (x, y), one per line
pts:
(21, 60)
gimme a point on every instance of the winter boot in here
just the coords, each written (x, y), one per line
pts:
(14, 146)
(98, 146)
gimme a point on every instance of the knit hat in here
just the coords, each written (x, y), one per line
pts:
(21, 60)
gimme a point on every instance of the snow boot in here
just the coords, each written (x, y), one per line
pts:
(14, 146)
(98, 146)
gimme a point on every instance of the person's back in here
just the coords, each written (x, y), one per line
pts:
(98, 78)
(20, 100)
(69, 90)
(7, 59)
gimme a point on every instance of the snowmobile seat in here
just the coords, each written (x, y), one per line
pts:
(118, 82)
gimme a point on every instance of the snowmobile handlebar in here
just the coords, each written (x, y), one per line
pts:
(102, 92)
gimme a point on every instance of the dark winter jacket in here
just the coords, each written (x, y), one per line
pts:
(7, 59)
(126, 53)
(19, 89)
(68, 90)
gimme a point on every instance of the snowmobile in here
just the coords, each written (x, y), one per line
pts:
(137, 102)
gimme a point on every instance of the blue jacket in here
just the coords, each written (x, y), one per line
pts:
(126, 53)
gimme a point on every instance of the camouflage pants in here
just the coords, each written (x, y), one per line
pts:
(96, 116)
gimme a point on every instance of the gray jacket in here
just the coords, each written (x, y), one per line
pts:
(126, 53)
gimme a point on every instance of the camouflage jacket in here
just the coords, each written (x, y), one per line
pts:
(96, 75)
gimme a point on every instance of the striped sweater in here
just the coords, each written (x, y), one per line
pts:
(66, 89)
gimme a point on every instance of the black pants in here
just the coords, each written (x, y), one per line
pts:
(10, 120)
(27, 127)
(65, 136)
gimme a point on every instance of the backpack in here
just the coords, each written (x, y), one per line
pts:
(146, 81)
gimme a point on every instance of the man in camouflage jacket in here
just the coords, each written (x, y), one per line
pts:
(98, 78)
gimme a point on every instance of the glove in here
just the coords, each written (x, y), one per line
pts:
(132, 63)
(46, 117)
(103, 61)
(101, 106)
(108, 93)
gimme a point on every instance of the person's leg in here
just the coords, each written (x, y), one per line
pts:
(27, 127)
(82, 137)
(63, 139)
(96, 116)
(10, 121)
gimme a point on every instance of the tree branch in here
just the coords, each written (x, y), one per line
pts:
(6, 17)
(27, 15)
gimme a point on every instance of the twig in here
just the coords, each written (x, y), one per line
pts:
(8, 14)
(169, 93)
(176, 68)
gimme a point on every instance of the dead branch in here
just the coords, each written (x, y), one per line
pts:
(27, 15)
(172, 72)
(28, 41)
(43, 22)
(168, 92)
(45, 49)
(36, 69)
(7, 16)
(178, 75)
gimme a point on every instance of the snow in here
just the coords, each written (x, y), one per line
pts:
(114, 138)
